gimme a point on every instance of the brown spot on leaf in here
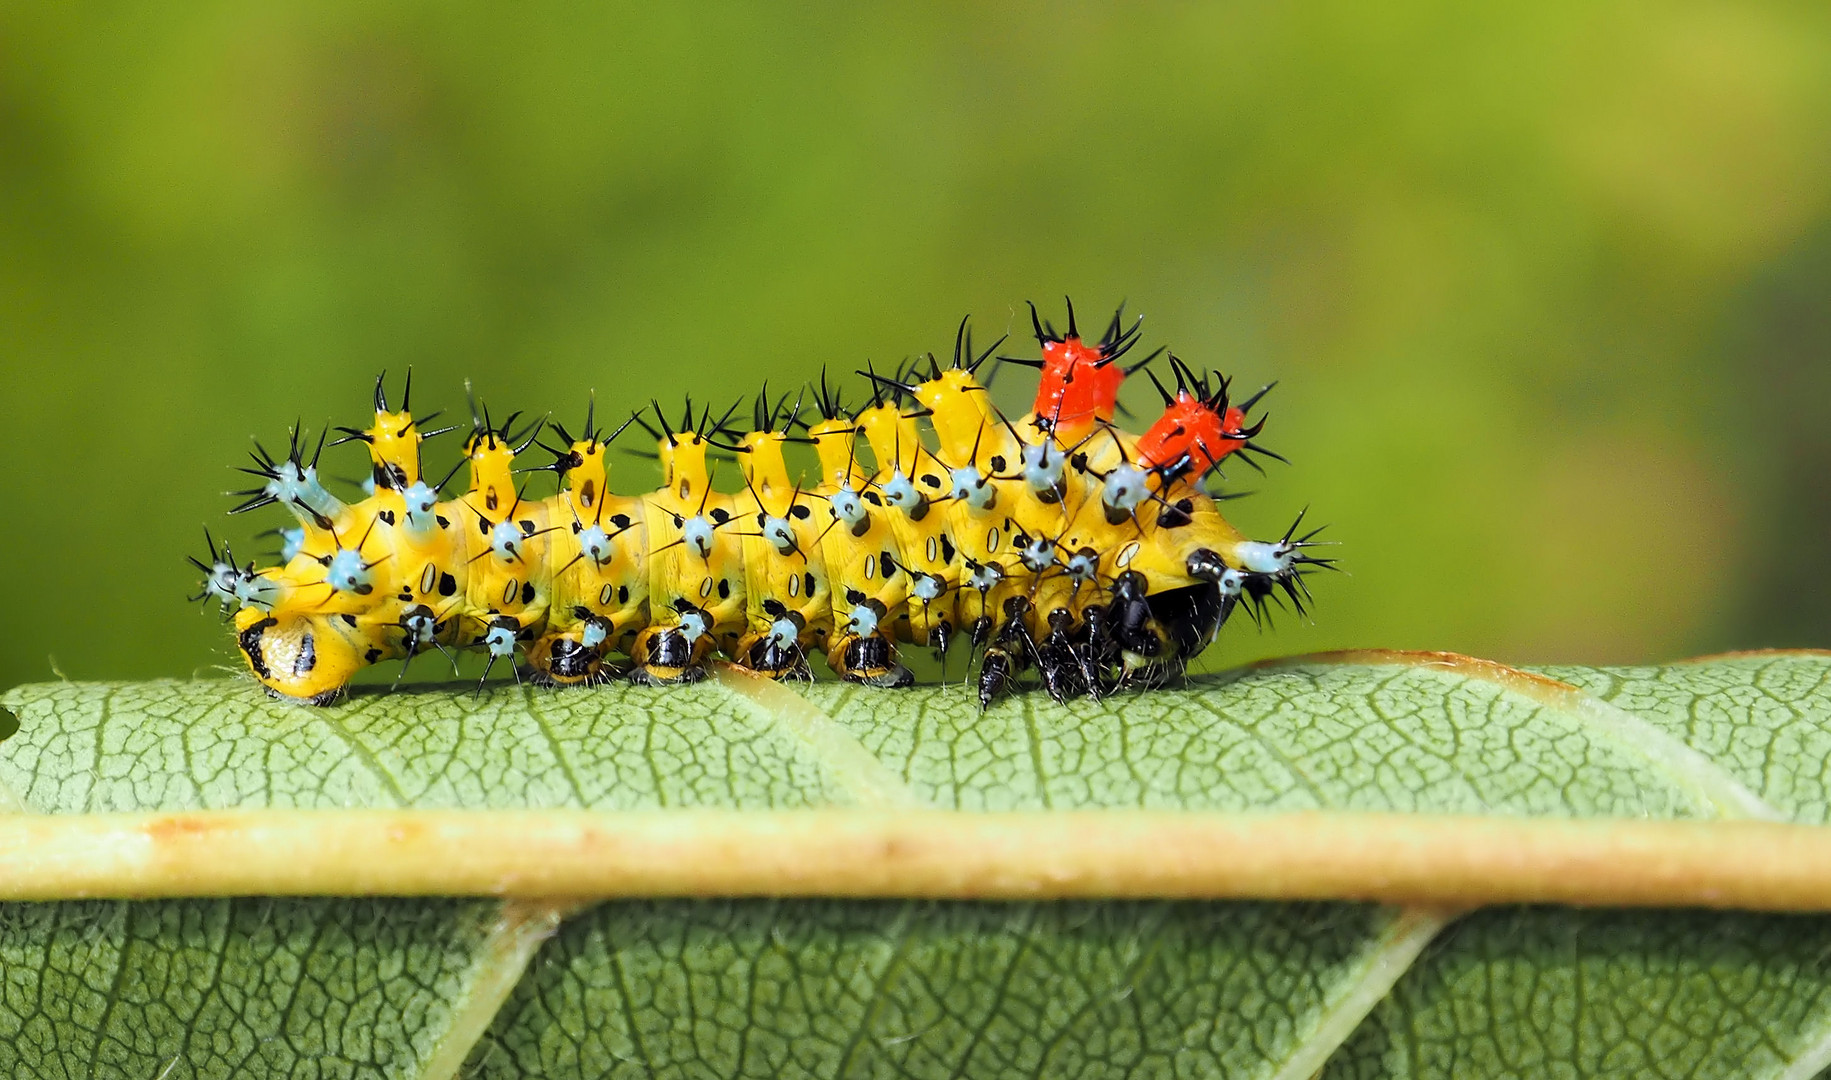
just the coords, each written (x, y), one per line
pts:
(186, 826)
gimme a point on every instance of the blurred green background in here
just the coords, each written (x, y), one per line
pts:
(1545, 283)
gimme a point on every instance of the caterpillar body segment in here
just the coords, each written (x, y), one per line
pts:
(600, 582)
(1055, 542)
(786, 601)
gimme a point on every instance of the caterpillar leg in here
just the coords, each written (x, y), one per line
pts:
(1098, 651)
(941, 636)
(776, 651)
(1059, 658)
(995, 674)
(1144, 650)
(1009, 651)
(672, 655)
(569, 660)
(862, 652)
(869, 659)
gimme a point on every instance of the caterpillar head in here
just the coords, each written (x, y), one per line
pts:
(304, 657)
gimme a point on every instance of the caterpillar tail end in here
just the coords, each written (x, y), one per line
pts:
(298, 658)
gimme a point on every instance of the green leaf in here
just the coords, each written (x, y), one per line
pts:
(398, 988)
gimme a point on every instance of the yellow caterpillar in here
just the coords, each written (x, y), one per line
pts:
(1056, 541)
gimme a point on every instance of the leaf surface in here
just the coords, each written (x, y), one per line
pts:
(411, 989)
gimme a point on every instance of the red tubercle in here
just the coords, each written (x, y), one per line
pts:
(1080, 381)
(1080, 384)
(1192, 432)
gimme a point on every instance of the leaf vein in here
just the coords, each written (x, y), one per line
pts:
(95, 763)
(1035, 741)
(1024, 944)
(337, 720)
(627, 999)
(879, 992)
(114, 984)
(1251, 731)
(559, 754)
(1405, 937)
(1810, 1060)
(863, 774)
(1690, 771)
(520, 930)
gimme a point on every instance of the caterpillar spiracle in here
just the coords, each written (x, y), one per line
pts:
(1056, 542)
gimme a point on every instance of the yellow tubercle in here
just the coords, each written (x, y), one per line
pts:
(683, 469)
(895, 440)
(492, 477)
(766, 471)
(394, 449)
(836, 445)
(967, 429)
(587, 480)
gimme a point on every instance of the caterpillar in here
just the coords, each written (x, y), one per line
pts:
(1056, 542)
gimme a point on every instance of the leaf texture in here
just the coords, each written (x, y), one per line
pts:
(413, 989)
